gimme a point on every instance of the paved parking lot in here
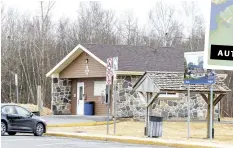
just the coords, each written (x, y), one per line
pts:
(29, 141)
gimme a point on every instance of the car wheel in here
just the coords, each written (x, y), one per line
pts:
(3, 128)
(39, 129)
(11, 133)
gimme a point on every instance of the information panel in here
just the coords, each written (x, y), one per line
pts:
(219, 36)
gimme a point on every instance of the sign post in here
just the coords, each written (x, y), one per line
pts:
(108, 104)
(188, 111)
(196, 74)
(108, 84)
(115, 68)
(211, 110)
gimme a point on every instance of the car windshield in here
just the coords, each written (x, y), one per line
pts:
(22, 111)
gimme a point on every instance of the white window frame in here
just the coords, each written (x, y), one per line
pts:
(101, 84)
(169, 96)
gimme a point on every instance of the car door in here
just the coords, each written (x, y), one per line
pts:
(11, 115)
(25, 121)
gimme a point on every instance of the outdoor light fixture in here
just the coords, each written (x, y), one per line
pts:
(86, 61)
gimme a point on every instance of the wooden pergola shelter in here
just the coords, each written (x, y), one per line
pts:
(152, 83)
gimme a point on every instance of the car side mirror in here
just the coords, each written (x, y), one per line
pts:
(37, 113)
(31, 114)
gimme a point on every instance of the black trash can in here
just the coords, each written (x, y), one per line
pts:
(155, 129)
(89, 108)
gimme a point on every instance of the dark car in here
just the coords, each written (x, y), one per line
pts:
(16, 119)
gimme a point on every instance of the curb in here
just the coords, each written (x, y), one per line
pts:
(81, 124)
(131, 141)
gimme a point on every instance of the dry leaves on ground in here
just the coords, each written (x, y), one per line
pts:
(32, 108)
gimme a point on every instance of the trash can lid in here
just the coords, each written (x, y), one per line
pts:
(89, 102)
(156, 118)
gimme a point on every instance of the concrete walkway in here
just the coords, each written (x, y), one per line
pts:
(71, 119)
(136, 140)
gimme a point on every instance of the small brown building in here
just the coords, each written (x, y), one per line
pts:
(81, 76)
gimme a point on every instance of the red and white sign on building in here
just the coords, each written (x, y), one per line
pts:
(109, 72)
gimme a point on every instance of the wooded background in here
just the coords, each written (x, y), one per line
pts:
(32, 45)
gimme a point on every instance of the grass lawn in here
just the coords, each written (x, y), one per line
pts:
(171, 130)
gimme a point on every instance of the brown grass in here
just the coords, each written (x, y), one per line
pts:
(32, 107)
(171, 130)
(226, 119)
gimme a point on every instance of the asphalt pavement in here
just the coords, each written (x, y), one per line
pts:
(30, 141)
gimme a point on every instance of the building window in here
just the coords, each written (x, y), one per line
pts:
(99, 87)
(81, 93)
(167, 93)
(169, 96)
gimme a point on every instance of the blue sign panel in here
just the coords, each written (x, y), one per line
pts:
(194, 71)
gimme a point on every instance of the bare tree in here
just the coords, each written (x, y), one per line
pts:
(164, 25)
(195, 26)
(129, 28)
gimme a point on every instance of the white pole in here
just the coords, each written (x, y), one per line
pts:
(108, 107)
(211, 111)
(16, 84)
(10, 91)
(188, 111)
(115, 106)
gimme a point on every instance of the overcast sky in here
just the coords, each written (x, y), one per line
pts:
(140, 8)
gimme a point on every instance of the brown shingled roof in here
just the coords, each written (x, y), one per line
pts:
(174, 82)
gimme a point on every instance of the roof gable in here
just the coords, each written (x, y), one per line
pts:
(146, 86)
(70, 58)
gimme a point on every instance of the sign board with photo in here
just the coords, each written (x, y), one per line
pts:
(219, 36)
(194, 71)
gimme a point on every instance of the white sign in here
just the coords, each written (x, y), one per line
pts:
(108, 78)
(16, 79)
(109, 65)
(109, 72)
(115, 64)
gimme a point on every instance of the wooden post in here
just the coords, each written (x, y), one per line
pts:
(51, 106)
(211, 112)
(149, 95)
(39, 98)
(150, 107)
(208, 116)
